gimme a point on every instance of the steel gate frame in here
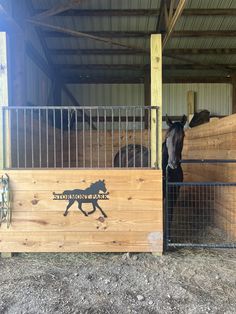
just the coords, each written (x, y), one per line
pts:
(167, 238)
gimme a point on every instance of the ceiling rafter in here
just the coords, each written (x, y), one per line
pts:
(82, 34)
(177, 51)
(172, 19)
(142, 67)
(57, 9)
(140, 34)
(139, 12)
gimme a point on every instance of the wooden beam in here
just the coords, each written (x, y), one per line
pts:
(207, 33)
(216, 51)
(82, 34)
(135, 34)
(172, 21)
(219, 67)
(107, 34)
(190, 104)
(196, 79)
(73, 79)
(141, 12)
(234, 93)
(209, 66)
(98, 52)
(84, 67)
(142, 67)
(57, 9)
(209, 12)
(156, 100)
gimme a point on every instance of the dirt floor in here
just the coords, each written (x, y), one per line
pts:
(185, 281)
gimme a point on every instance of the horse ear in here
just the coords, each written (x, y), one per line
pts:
(168, 121)
(184, 120)
(103, 181)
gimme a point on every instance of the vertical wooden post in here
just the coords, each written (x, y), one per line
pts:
(156, 100)
(147, 96)
(234, 93)
(190, 104)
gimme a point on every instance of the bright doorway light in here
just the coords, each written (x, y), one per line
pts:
(3, 70)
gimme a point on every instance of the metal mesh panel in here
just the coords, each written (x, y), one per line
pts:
(201, 214)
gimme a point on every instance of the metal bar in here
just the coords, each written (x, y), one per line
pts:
(17, 138)
(112, 136)
(90, 138)
(4, 137)
(47, 135)
(134, 147)
(32, 138)
(98, 138)
(74, 108)
(202, 183)
(40, 140)
(204, 245)
(207, 161)
(166, 212)
(68, 126)
(119, 140)
(126, 138)
(76, 139)
(62, 138)
(149, 129)
(25, 138)
(54, 139)
(141, 135)
(105, 137)
(83, 139)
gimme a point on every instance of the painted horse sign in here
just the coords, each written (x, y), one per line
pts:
(90, 195)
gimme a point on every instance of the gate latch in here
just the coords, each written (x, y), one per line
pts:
(5, 209)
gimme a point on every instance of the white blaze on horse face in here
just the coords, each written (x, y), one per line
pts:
(171, 151)
(174, 148)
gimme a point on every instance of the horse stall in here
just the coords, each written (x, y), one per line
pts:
(83, 179)
(75, 178)
(205, 212)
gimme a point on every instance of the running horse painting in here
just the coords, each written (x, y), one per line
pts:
(89, 195)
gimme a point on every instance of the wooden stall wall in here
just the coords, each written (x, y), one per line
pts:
(215, 140)
(133, 208)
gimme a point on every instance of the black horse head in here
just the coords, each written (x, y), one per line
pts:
(98, 186)
(174, 141)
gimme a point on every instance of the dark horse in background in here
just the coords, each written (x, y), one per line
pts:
(171, 160)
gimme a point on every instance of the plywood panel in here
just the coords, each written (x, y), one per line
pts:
(133, 209)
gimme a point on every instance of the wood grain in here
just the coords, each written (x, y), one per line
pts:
(134, 211)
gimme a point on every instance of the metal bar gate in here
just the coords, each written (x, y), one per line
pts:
(78, 137)
(200, 214)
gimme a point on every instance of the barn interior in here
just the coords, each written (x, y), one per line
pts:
(83, 59)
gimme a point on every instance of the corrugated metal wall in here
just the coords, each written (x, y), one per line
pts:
(107, 94)
(38, 85)
(217, 98)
